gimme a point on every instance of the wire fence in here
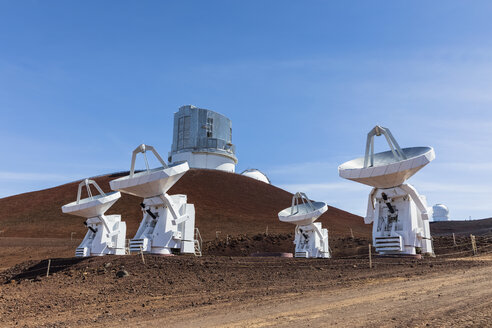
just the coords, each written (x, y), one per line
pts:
(480, 248)
(483, 247)
(43, 268)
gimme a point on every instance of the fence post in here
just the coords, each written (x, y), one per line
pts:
(266, 233)
(141, 253)
(454, 240)
(48, 270)
(474, 244)
(351, 233)
(370, 256)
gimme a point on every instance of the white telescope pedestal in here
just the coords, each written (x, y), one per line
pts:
(400, 216)
(406, 229)
(311, 239)
(171, 230)
(106, 233)
(168, 223)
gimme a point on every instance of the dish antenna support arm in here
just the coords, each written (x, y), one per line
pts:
(416, 198)
(395, 148)
(143, 149)
(299, 198)
(318, 231)
(370, 207)
(87, 183)
(168, 202)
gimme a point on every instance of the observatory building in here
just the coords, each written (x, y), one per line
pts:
(256, 174)
(203, 138)
(440, 213)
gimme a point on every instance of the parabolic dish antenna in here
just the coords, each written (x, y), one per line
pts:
(153, 182)
(400, 216)
(168, 222)
(311, 239)
(302, 211)
(106, 233)
(387, 169)
(93, 205)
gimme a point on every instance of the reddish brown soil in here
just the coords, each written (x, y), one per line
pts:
(244, 245)
(476, 227)
(87, 292)
(14, 250)
(340, 247)
(225, 202)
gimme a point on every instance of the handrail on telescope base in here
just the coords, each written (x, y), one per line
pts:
(198, 242)
(395, 148)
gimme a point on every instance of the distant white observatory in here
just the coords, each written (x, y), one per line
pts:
(203, 138)
(256, 174)
(440, 213)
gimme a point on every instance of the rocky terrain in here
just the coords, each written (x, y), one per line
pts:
(157, 291)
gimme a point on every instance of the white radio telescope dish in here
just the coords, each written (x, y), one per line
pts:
(106, 233)
(302, 211)
(386, 169)
(93, 205)
(151, 182)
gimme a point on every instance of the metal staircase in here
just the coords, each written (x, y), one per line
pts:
(389, 244)
(82, 252)
(136, 245)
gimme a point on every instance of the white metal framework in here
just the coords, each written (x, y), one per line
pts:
(395, 148)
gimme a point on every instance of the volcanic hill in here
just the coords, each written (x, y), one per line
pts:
(225, 202)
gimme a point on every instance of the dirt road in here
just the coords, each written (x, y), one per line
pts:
(462, 298)
(245, 291)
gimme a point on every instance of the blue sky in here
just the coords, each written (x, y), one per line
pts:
(82, 83)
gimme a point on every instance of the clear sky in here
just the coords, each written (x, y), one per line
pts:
(82, 83)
